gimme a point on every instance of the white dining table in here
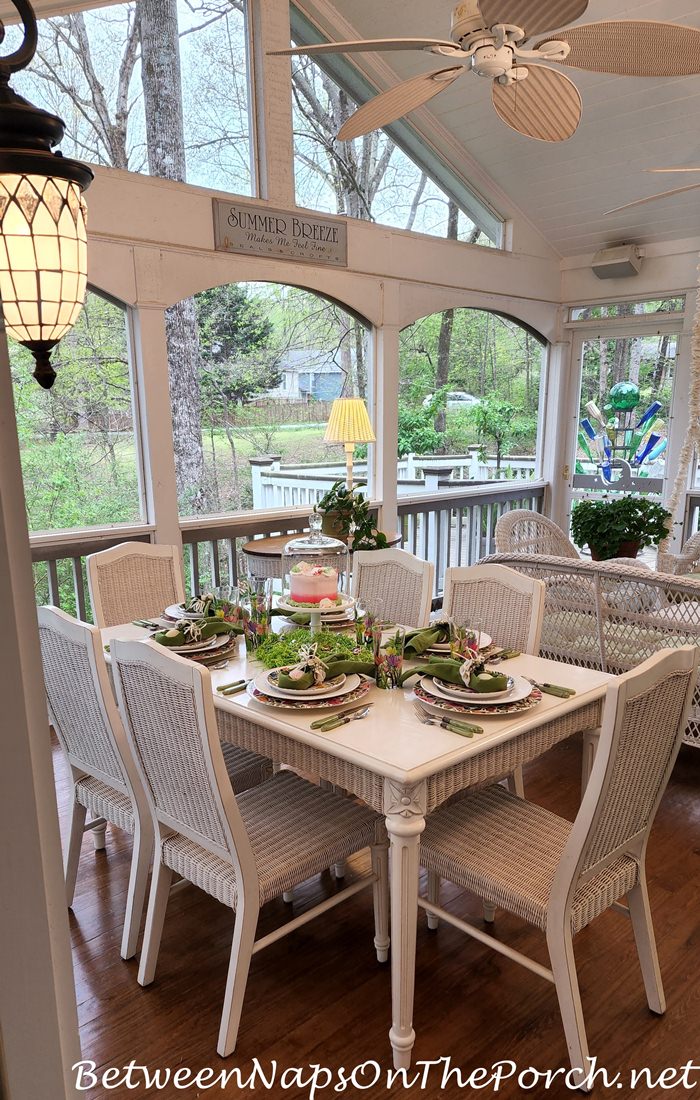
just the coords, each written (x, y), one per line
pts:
(405, 769)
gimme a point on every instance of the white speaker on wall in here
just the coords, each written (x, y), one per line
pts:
(620, 262)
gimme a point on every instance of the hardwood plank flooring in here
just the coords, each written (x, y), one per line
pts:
(319, 996)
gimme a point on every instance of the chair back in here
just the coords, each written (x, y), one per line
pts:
(168, 712)
(508, 604)
(401, 580)
(81, 704)
(524, 532)
(645, 716)
(134, 580)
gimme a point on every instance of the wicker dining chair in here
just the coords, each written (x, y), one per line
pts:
(521, 531)
(506, 603)
(242, 849)
(84, 715)
(558, 876)
(83, 712)
(403, 582)
(134, 580)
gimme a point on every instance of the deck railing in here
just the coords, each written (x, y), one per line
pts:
(453, 526)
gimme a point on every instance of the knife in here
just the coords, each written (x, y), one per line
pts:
(330, 718)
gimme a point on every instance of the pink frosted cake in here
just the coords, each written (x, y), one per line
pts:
(311, 584)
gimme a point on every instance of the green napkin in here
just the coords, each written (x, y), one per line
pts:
(208, 630)
(284, 680)
(342, 665)
(440, 668)
(420, 640)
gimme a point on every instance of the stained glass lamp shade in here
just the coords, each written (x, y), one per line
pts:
(43, 238)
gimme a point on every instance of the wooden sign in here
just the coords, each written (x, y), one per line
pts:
(260, 231)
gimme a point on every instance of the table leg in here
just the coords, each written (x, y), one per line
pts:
(404, 806)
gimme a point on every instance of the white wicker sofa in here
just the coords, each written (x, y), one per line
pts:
(611, 616)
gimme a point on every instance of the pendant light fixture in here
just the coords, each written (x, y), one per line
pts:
(43, 236)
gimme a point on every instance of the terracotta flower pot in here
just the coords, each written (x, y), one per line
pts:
(628, 549)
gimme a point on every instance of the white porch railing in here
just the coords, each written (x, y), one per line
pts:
(453, 526)
(283, 485)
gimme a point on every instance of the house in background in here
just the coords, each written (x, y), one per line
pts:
(309, 374)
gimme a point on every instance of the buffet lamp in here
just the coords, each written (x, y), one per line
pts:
(43, 237)
(349, 424)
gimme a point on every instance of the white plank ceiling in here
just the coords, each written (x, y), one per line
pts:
(629, 124)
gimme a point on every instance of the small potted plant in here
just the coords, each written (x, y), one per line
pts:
(346, 513)
(618, 527)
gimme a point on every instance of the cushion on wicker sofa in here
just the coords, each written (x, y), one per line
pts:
(612, 616)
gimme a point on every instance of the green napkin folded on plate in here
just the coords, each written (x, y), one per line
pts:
(440, 668)
(285, 681)
(417, 641)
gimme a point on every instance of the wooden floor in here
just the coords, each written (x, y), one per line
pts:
(319, 996)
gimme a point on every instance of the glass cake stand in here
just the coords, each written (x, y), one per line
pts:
(319, 550)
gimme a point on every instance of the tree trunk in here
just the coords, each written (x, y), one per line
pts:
(165, 139)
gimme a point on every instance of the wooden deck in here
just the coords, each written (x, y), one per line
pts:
(319, 996)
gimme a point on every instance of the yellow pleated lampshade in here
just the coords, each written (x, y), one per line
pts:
(349, 422)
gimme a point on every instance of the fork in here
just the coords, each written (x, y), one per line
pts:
(464, 729)
(332, 723)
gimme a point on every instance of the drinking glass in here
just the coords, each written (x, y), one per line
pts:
(388, 655)
(464, 640)
(256, 609)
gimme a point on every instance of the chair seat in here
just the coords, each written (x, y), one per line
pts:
(105, 801)
(296, 830)
(245, 769)
(473, 843)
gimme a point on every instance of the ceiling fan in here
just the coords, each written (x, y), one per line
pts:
(661, 194)
(492, 39)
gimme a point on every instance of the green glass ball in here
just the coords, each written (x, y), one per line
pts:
(624, 395)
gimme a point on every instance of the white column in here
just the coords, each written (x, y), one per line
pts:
(678, 424)
(38, 1016)
(556, 426)
(272, 102)
(386, 410)
(150, 351)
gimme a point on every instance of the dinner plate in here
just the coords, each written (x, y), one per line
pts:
(444, 647)
(268, 684)
(520, 689)
(215, 642)
(439, 705)
(212, 657)
(309, 704)
(176, 611)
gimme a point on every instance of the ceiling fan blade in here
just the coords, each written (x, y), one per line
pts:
(673, 169)
(545, 105)
(634, 48)
(651, 198)
(371, 45)
(532, 16)
(392, 104)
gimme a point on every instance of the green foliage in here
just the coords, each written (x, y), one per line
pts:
(417, 433)
(350, 510)
(283, 649)
(490, 357)
(77, 440)
(235, 341)
(502, 425)
(604, 524)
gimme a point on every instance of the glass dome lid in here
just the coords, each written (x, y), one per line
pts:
(317, 545)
